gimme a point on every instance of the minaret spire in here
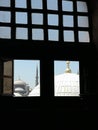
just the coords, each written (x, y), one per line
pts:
(36, 77)
(68, 70)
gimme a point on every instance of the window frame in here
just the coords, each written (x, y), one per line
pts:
(52, 50)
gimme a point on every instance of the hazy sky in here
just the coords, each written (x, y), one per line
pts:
(26, 70)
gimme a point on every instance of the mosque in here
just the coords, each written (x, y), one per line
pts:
(66, 84)
(21, 88)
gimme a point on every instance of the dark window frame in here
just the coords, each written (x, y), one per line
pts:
(47, 51)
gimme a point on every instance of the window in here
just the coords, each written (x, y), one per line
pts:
(26, 78)
(36, 29)
(67, 20)
(66, 78)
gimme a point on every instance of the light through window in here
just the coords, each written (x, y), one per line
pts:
(66, 78)
(26, 78)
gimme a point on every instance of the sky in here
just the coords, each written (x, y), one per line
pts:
(60, 67)
(26, 71)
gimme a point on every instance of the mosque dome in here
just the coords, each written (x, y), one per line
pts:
(67, 84)
(21, 88)
(18, 89)
(19, 82)
(35, 91)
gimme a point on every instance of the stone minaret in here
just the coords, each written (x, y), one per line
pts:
(36, 77)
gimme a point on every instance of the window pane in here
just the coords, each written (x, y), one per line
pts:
(26, 78)
(5, 32)
(66, 78)
(53, 35)
(8, 68)
(67, 21)
(21, 33)
(5, 16)
(37, 18)
(52, 4)
(7, 77)
(5, 3)
(21, 18)
(81, 6)
(52, 19)
(83, 36)
(69, 36)
(83, 21)
(20, 3)
(36, 4)
(37, 34)
(67, 5)
(7, 86)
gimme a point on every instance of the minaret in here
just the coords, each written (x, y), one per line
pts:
(68, 70)
(36, 77)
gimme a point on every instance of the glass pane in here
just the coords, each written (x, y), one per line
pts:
(21, 33)
(7, 80)
(83, 36)
(67, 5)
(37, 18)
(81, 6)
(5, 3)
(52, 4)
(66, 78)
(20, 3)
(36, 4)
(26, 78)
(53, 35)
(37, 34)
(52, 19)
(5, 32)
(69, 36)
(8, 68)
(83, 21)
(5, 16)
(21, 18)
(7, 88)
(67, 21)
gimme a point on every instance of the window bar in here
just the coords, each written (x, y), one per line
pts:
(75, 22)
(61, 37)
(13, 28)
(12, 77)
(29, 20)
(45, 21)
(90, 24)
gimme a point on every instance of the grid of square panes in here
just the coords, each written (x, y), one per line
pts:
(33, 18)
